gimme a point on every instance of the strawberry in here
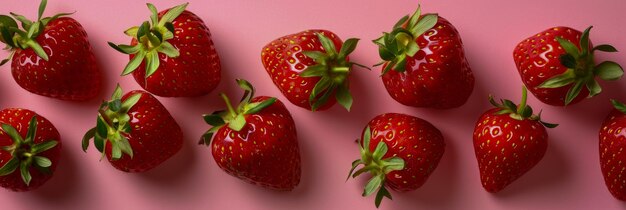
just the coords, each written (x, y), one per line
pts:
(399, 151)
(556, 63)
(311, 68)
(255, 142)
(429, 66)
(612, 143)
(173, 54)
(31, 143)
(136, 125)
(52, 57)
(508, 140)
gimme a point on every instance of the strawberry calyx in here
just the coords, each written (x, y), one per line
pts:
(521, 112)
(152, 39)
(581, 68)
(24, 38)
(113, 126)
(619, 106)
(24, 152)
(333, 69)
(377, 167)
(234, 118)
(395, 47)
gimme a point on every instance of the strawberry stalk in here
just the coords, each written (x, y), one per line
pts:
(113, 125)
(581, 68)
(234, 118)
(333, 69)
(521, 112)
(152, 39)
(378, 167)
(24, 152)
(395, 47)
(24, 38)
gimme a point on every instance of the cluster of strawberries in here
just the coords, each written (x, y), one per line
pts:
(172, 55)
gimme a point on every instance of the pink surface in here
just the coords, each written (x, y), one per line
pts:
(568, 177)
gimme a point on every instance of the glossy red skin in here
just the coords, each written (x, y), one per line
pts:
(283, 60)
(264, 152)
(196, 72)
(612, 160)
(416, 141)
(534, 69)
(507, 148)
(71, 72)
(155, 136)
(442, 79)
(20, 120)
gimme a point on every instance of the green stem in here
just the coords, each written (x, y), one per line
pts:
(231, 111)
(522, 104)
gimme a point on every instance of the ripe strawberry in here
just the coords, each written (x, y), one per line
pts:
(173, 54)
(400, 152)
(612, 143)
(137, 125)
(555, 67)
(31, 143)
(508, 140)
(311, 68)
(429, 67)
(255, 142)
(52, 57)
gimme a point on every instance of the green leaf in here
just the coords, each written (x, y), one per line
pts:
(38, 49)
(416, 16)
(130, 102)
(412, 48)
(117, 93)
(134, 63)
(143, 30)
(527, 112)
(509, 104)
(385, 54)
(116, 151)
(99, 142)
(372, 185)
(101, 127)
(45, 21)
(10, 166)
(26, 23)
(367, 135)
(348, 47)
(125, 147)
(344, 97)
(172, 14)
(32, 130)
(7, 35)
(7, 22)
(132, 32)
(322, 84)
(328, 45)
(126, 49)
(424, 24)
(169, 50)
(154, 14)
(393, 164)
(115, 105)
(12, 132)
(24, 170)
(213, 120)
(573, 92)
(317, 102)
(549, 125)
(569, 47)
(355, 164)
(568, 77)
(89, 135)
(152, 63)
(206, 138)
(605, 48)
(400, 66)
(401, 22)
(593, 87)
(42, 8)
(4, 61)
(44, 146)
(568, 61)
(382, 192)
(41, 161)
(237, 123)
(584, 41)
(248, 90)
(314, 71)
(618, 105)
(609, 70)
(257, 107)
(380, 151)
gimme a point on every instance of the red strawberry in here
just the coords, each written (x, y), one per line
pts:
(52, 57)
(30, 150)
(137, 125)
(256, 141)
(429, 67)
(311, 68)
(400, 152)
(173, 54)
(508, 140)
(612, 143)
(555, 67)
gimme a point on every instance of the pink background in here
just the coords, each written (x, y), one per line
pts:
(568, 177)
